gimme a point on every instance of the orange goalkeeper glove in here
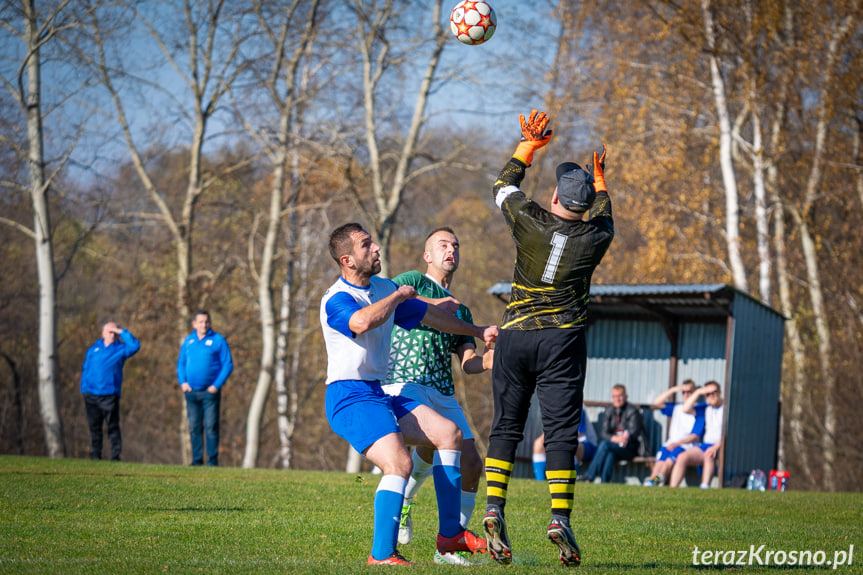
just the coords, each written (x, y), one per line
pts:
(533, 136)
(597, 170)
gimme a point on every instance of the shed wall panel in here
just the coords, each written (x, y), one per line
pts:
(754, 390)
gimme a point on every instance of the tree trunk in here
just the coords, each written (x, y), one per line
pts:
(794, 413)
(762, 226)
(39, 188)
(183, 326)
(266, 307)
(388, 196)
(301, 313)
(794, 422)
(810, 255)
(283, 418)
(726, 162)
(285, 148)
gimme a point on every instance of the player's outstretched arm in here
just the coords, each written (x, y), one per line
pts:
(534, 135)
(448, 304)
(442, 321)
(472, 362)
(374, 315)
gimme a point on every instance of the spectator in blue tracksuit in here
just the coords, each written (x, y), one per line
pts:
(101, 380)
(203, 368)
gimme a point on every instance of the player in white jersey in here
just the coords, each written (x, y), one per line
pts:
(705, 453)
(357, 316)
(684, 431)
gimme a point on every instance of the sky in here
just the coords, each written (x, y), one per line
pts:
(525, 37)
(477, 98)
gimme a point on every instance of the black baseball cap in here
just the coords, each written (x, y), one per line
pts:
(575, 188)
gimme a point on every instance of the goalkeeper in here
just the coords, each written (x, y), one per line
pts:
(541, 345)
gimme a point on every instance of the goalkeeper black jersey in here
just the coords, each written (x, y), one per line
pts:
(555, 257)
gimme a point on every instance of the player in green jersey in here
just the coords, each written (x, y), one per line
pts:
(541, 345)
(421, 369)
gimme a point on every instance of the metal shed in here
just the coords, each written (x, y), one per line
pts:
(651, 337)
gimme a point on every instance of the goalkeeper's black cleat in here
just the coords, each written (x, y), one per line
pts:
(495, 535)
(561, 535)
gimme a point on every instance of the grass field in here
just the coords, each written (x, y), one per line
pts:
(77, 516)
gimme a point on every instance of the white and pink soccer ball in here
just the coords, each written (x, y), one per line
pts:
(473, 22)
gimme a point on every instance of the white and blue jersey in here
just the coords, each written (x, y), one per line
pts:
(357, 408)
(712, 417)
(362, 356)
(682, 424)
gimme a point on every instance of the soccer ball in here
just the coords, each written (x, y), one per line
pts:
(473, 22)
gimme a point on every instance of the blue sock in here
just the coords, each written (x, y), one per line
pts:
(388, 506)
(447, 486)
(539, 467)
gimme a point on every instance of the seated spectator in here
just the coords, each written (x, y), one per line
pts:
(705, 453)
(586, 447)
(622, 430)
(684, 431)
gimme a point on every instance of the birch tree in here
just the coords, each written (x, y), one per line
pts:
(793, 392)
(298, 293)
(30, 30)
(283, 90)
(726, 161)
(803, 217)
(391, 164)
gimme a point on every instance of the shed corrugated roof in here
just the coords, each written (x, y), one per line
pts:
(672, 301)
(504, 287)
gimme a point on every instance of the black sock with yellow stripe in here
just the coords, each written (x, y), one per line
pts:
(560, 472)
(499, 463)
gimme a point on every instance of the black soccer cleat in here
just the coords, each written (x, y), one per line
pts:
(561, 535)
(496, 538)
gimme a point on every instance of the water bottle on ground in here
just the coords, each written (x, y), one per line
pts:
(757, 481)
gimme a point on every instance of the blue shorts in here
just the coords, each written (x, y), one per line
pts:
(361, 413)
(589, 450)
(704, 446)
(664, 453)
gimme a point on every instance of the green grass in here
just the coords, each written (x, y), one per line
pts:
(77, 516)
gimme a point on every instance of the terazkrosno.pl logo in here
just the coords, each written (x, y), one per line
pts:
(773, 557)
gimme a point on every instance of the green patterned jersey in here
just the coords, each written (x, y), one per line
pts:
(555, 257)
(423, 354)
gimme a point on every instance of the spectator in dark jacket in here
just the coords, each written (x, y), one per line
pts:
(622, 429)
